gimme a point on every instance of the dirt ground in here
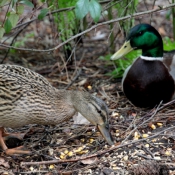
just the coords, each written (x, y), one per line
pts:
(140, 134)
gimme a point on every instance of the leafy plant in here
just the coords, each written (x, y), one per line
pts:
(121, 64)
(16, 8)
(22, 41)
(168, 45)
(84, 6)
(124, 8)
(69, 21)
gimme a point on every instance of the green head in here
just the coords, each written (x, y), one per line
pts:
(144, 37)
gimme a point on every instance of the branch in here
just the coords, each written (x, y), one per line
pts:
(55, 11)
(99, 153)
(93, 27)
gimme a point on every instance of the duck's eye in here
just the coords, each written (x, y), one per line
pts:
(140, 33)
(99, 111)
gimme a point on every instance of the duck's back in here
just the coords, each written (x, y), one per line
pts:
(27, 97)
(22, 74)
(147, 83)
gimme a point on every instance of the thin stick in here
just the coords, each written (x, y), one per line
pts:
(93, 27)
(99, 153)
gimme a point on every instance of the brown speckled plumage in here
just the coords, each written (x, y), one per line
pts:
(27, 98)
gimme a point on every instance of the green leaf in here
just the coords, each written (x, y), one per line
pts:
(42, 14)
(28, 3)
(14, 2)
(81, 8)
(20, 9)
(13, 19)
(134, 54)
(168, 45)
(8, 14)
(3, 2)
(7, 26)
(95, 10)
(2, 31)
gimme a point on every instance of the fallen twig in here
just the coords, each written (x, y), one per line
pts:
(99, 153)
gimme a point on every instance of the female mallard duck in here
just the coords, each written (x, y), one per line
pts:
(28, 98)
(150, 79)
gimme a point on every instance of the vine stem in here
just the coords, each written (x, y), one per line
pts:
(158, 9)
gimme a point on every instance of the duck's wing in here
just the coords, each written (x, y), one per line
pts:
(23, 74)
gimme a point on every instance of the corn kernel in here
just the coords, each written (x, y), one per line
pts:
(82, 140)
(61, 153)
(114, 114)
(136, 136)
(145, 135)
(51, 167)
(147, 145)
(125, 158)
(117, 134)
(91, 140)
(70, 153)
(31, 168)
(168, 153)
(115, 168)
(153, 126)
(159, 124)
(84, 152)
(66, 151)
(89, 87)
(62, 157)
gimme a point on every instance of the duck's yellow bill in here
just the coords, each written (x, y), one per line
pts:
(106, 134)
(126, 48)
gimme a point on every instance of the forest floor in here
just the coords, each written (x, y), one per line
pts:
(139, 134)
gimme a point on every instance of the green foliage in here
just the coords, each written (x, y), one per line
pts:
(121, 64)
(12, 17)
(20, 9)
(3, 2)
(7, 26)
(84, 6)
(66, 21)
(21, 43)
(95, 10)
(81, 8)
(28, 3)
(43, 13)
(124, 8)
(168, 44)
(2, 31)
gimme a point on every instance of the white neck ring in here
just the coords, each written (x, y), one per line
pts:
(151, 58)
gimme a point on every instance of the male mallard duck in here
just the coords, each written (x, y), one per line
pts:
(28, 98)
(150, 79)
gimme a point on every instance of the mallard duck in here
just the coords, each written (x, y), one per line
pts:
(150, 79)
(28, 98)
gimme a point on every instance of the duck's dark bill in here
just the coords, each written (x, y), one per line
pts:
(126, 48)
(106, 134)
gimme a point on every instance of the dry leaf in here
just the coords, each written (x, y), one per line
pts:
(4, 163)
(79, 119)
(81, 83)
(89, 161)
(99, 36)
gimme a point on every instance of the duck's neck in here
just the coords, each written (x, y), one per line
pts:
(154, 52)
